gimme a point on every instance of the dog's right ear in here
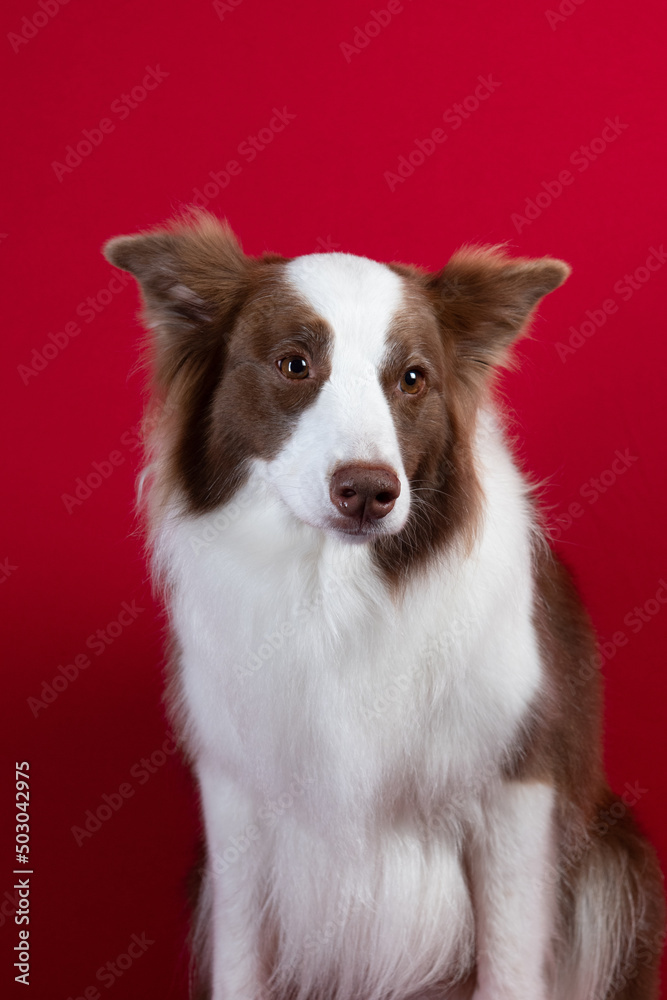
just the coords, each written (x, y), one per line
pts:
(193, 276)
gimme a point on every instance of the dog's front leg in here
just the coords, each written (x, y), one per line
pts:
(512, 882)
(231, 914)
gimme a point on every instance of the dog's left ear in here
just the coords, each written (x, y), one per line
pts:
(486, 299)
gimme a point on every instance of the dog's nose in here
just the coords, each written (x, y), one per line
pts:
(363, 493)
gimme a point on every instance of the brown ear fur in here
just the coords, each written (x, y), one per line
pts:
(486, 298)
(193, 275)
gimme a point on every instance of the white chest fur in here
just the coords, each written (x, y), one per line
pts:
(294, 654)
(299, 671)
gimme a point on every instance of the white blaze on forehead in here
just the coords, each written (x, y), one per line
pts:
(357, 297)
(351, 420)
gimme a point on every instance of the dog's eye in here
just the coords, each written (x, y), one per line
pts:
(294, 367)
(412, 381)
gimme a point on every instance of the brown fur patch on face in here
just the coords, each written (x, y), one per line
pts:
(434, 430)
(254, 407)
(221, 321)
(457, 327)
(245, 408)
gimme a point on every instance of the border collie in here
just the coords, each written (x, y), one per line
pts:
(381, 672)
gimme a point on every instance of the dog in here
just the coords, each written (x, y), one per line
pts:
(380, 670)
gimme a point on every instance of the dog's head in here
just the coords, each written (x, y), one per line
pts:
(351, 386)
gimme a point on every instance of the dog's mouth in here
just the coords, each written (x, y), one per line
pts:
(358, 529)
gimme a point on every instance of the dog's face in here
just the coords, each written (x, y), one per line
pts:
(349, 386)
(363, 381)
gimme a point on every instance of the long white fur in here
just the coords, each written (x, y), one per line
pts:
(346, 743)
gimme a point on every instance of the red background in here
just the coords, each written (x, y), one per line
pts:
(320, 181)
